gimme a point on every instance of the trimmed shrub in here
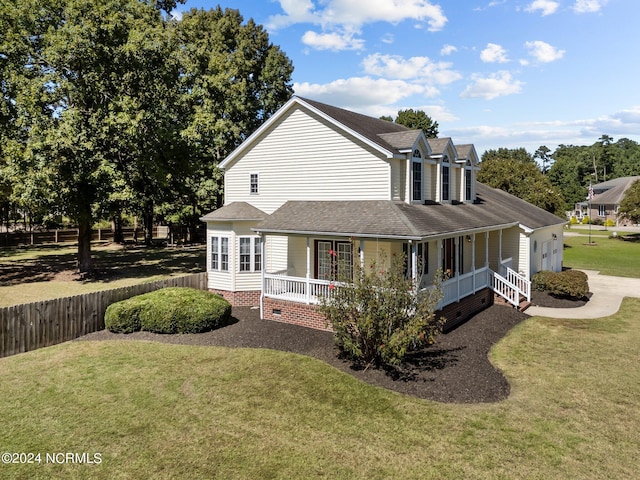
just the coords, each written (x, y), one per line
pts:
(540, 280)
(381, 316)
(609, 223)
(573, 220)
(169, 310)
(568, 284)
(585, 220)
(123, 317)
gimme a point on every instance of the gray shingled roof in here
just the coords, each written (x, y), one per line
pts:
(369, 127)
(235, 211)
(401, 140)
(613, 190)
(438, 145)
(388, 219)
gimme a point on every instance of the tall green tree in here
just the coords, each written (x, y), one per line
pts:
(233, 78)
(416, 119)
(119, 108)
(516, 172)
(543, 154)
(630, 204)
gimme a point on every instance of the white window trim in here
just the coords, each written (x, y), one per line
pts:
(445, 164)
(257, 183)
(415, 160)
(252, 254)
(218, 252)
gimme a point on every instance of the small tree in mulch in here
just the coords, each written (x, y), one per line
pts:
(380, 315)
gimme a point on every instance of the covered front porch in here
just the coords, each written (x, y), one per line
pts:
(468, 263)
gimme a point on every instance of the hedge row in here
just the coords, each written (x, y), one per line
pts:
(565, 284)
(169, 310)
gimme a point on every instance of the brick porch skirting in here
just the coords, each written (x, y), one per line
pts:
(458, 312)
(309, 315)
(295, 313)
(240, 299)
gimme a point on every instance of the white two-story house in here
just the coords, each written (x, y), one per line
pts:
(317, 188)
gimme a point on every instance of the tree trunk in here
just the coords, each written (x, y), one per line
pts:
(147, 219)
(116, 227)
(85, 262)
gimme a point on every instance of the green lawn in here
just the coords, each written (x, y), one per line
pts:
(609, 256)
(43, 272)
(166, 411)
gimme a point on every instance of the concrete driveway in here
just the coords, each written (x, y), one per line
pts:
(608, 293)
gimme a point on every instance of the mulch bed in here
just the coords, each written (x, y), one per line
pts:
(545, 299)
(454, 370)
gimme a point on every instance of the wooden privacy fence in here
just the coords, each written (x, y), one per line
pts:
(40, 237)
(40, 324)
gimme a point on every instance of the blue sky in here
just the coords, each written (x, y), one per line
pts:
(496, 73)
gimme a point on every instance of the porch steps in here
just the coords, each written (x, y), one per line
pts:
(524, 304)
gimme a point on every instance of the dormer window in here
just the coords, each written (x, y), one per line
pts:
(446, 182)
(416, 179)
(467, 182)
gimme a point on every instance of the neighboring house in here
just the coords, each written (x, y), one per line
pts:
(606, 201)
(317, 188)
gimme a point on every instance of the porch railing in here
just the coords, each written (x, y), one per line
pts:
(311, 290)
(522, 284)
(296, 289)
(504, 288)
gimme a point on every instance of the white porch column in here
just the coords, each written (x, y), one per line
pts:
(500, 251)
(308, 276)
(414, 260)
(456, 246)
(473, 260)
(486, 249)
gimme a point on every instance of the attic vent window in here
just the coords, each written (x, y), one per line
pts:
(417, 154)
(253, 183)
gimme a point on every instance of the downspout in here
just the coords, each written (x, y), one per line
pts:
(262, 271)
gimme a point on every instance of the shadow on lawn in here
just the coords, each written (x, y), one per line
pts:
(110, 265)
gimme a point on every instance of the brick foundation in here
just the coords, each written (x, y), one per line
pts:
(458, 312)
(240, 299)
(309, 315)
(295, 313)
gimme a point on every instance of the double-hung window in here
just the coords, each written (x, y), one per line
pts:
(416, 170)
(445, 181)
(249, 254)
(467, 184)
(220, 254)
(602, 211)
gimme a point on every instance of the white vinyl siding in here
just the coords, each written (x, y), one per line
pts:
(320, 165)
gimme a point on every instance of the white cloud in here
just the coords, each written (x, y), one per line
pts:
(361, 93)
(448, 50)
(547, 7)
(495, 85)
(421, 69)
(332, 41)
(355, 13)
(543, 52)
(388, 38)
(494, 53)
(589, 6)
